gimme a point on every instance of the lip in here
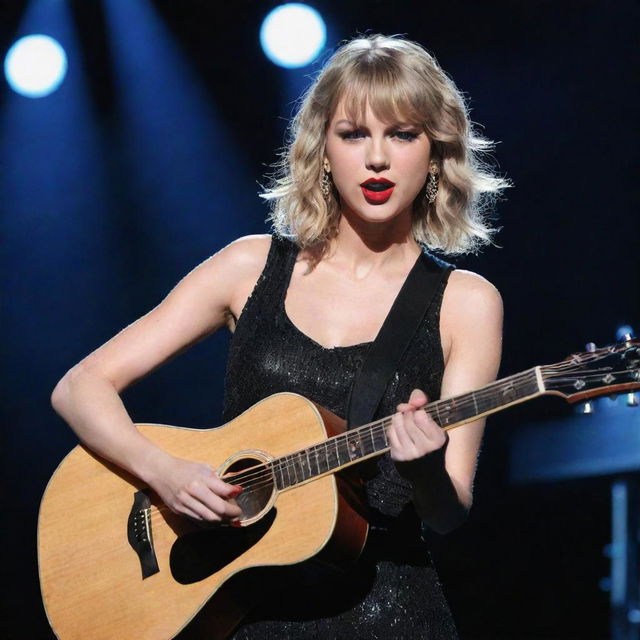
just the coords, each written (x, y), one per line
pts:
(377, 181)
(377, 197)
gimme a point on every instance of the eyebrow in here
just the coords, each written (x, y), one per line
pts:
(395, 124)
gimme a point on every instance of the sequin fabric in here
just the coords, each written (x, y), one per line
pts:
(393, 590)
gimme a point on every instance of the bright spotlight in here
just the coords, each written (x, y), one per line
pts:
(624, 331)
(292, 35)
(35, 66)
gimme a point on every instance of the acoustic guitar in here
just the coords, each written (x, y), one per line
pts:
(115, 562)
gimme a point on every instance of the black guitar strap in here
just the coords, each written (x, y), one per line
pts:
(402, 323)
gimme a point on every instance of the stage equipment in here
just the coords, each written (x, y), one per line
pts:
(602, 439)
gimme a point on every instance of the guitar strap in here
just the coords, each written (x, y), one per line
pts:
(402, 323)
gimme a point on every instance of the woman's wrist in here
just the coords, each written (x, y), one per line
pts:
(149, 464)
(426, 467)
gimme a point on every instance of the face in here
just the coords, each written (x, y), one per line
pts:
(398, 153)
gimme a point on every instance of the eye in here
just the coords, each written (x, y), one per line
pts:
(351, 135)
(407, 136)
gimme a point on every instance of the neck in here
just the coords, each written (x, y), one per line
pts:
(362, 243)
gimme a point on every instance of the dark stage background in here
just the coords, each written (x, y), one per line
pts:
(147, 160)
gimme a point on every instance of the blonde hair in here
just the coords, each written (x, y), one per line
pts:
(400, 81)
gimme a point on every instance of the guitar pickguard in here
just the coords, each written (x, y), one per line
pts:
(198, 554)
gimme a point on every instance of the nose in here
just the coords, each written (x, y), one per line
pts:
(377, 158)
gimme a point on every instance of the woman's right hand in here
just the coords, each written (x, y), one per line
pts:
(194, 489)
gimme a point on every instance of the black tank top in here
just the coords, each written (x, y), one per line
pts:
(269, 354)
(392, 591)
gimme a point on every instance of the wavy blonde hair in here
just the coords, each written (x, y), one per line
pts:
(401, 82)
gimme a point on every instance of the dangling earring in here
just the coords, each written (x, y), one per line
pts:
(325, 185)
(433, 180)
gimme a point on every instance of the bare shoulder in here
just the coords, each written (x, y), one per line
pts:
(471, 310)
(239, 266)
(244, 256)
(472, 292)
(217, 278)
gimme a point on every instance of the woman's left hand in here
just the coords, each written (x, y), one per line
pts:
(413, 433)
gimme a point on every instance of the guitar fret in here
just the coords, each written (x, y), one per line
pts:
(308, 464)
(343, 456)
(380, 439)
(475, 403)
(279, 481)
(299, 462)
(312, 452)
(372, 444)
(498, 394)
(364, 441)
(287, 467)
(438, 418)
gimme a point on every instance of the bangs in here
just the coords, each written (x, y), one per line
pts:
(388, 90)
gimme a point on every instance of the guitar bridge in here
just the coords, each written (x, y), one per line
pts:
(139, 534)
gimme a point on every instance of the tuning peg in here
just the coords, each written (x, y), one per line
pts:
(590, 347)
(632, 400)
(588, 407)
(624, 333)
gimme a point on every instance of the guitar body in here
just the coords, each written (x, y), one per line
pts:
(116, 563)
(100, 530)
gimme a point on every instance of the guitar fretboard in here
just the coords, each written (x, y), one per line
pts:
(371, 439)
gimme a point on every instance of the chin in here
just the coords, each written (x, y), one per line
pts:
(378, 213)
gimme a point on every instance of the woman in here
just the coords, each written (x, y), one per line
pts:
(308, 302)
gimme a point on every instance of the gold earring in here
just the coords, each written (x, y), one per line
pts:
(433, 181)
(325, 184)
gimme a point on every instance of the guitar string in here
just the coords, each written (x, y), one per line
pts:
(258, 476)
(432, 409)
(262, 475)
(258, 471)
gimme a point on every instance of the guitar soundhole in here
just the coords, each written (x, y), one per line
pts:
(257, 481)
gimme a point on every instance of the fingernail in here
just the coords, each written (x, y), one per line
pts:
(235, 523)
(236, 491)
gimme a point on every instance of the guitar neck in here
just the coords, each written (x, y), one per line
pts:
(370, 440)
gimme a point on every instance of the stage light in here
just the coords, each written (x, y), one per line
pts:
(35, 66)
(292, 35)
(624, 331)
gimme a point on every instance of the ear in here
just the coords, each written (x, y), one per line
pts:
(326, 165)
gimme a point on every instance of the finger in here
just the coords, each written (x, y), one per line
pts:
(180, 509)
(418, 398)
(426, 434)
(394, 443)
(231, 510)
(213, 502)
(197, 507)
(414, 427)
(222, 488)
(392, 438)
(405, 443)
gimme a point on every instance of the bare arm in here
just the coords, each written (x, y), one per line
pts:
(88, 398)
(471, 327)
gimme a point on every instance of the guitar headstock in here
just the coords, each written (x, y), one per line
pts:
(600, 372)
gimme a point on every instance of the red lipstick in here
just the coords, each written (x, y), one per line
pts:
(377, 190)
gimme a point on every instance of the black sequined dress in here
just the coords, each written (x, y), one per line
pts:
(393, 591)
